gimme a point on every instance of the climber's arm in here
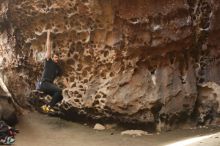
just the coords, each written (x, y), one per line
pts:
(48, 46)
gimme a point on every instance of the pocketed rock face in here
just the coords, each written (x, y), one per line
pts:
(131, 61)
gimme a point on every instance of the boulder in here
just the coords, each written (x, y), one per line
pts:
(138, 62)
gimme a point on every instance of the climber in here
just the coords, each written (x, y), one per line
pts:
(51, 71)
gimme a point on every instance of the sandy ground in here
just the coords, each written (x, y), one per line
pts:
(41, 130)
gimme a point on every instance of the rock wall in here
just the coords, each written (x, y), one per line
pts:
(140, 61)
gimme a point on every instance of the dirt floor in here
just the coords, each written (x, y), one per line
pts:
(41, 130)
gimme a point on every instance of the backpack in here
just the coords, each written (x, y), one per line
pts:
(7, 133)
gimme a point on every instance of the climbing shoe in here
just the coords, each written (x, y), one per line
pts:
(44, 108)
(51, 110)
(47, 109)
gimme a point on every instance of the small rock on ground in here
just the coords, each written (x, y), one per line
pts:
(135, 132)
(99, 127)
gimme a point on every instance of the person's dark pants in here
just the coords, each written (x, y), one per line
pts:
(52, 90)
